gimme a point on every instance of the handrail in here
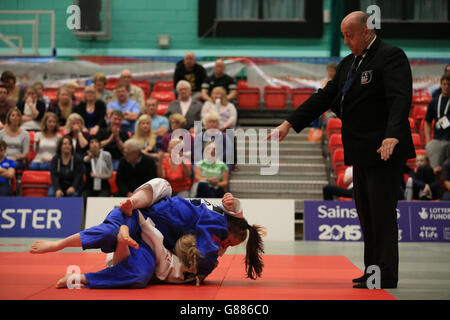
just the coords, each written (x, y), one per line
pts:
(34, 23)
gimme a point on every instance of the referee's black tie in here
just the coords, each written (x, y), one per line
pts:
(350, 76)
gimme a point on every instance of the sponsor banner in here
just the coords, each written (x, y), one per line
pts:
(430, 221)
(276, 215)
(40, 217)
(338, 221)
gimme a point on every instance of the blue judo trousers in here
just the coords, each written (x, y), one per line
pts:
(136, 271)
(173, 217)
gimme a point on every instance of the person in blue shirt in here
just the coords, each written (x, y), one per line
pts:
(129, 108)
(7, 171)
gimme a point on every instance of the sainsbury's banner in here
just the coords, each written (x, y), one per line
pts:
(338, 221)
(40, 217)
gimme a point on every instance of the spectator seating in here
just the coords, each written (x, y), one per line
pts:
(333, 125)
(334, 142)
(300, 95)
(248, 98)
(421, 98)
(416, 140)
(112, 183)
(412, 124)
(164, 98)
(337, 161)
(242, 84)
(275, 97)
(35, 183)
(163, 86)
(31, 151)
(144, 85)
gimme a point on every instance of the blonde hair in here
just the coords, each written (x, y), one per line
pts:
(211, 116)
(74, 116)
(179, 118)
(67, 108)
(188, 252)
(44, 122)
(141, 137)
(88, 88)
(224, 100)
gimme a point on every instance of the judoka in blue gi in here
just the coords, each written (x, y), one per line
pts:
(136, 240)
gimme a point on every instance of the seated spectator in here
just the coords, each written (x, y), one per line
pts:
(330, 191)
(92, 111)
(39, 86)
(160, 124)
(129, 107)
(185, 105)
(72, 87)
(112, 138)
(438, 91)
(189, 70)
(439, 111)
(77, 131)
(5, 105)
(66, 171)
(211, 124)
(178, 175)
(46, 142)
(62, 107)
(446, 179)
(7, 171)
(211, 175)
(32, 109)
(9, 80)
(100, 92)
(134, 170)
(134, 92)
(176, 121)
(219, 79)
(17, 139)
(226, 110)
(144, 135)
(99, 169)
(425, 182)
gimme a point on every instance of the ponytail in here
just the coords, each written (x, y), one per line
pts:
(255, 248)
(188, 251)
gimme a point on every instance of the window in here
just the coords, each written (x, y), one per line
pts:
(426, 18)
(260, 18)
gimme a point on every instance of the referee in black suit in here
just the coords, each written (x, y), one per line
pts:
(371, 93)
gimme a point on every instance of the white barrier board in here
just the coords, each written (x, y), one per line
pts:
(277, 216)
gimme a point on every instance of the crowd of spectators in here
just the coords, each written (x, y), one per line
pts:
(115, 137)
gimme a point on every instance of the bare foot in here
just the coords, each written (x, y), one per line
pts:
(126, 207)
(124, 237)
(62, 283)
(44, 246)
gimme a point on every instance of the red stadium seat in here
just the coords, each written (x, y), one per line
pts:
(340, 181)
(419, 112)
(50, 94)
(275, 98)
(416, 140)
(111, 83)
(31, 151)
(162, 108)
(412, 124)
(334, 142)
(144, 85)
(163, 96)
(421, 99)
(242, 84)
(112, 183)
(248, 98)
(337, 161)
(333, 125)
(161, 86)
(35, 183)
(300, 95)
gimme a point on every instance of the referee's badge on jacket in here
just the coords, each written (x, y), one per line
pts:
(366, 76)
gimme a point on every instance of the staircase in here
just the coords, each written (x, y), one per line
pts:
(301, 174)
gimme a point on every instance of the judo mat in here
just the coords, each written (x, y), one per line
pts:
(24, 276)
